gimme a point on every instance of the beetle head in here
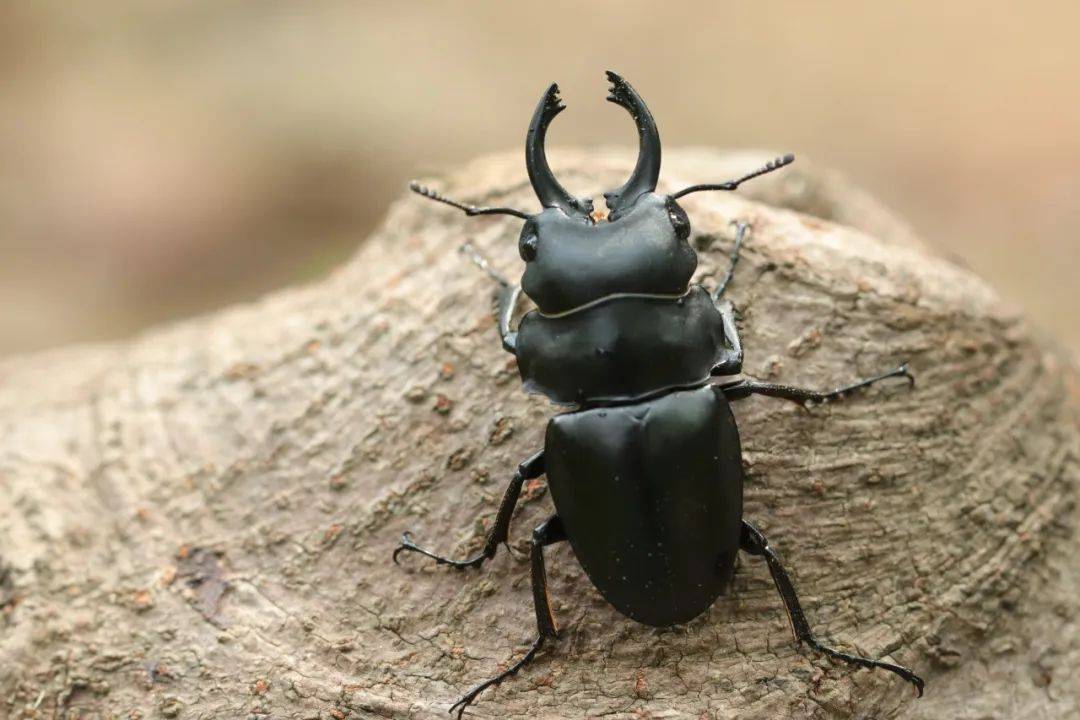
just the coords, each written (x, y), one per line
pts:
(572, 258)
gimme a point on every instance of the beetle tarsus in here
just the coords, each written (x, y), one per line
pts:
(407, 545)
(754, 542)
(900, 670)
(843, 392)
(549, 532)
(470, 697)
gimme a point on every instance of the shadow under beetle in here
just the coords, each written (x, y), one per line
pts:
(645, 470)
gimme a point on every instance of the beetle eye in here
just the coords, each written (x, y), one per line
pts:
(679, 221)
(528, 249)
(527, 243)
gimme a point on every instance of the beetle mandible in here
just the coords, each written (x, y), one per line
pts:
(645, 468)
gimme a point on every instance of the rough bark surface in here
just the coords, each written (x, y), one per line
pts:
(198, 523)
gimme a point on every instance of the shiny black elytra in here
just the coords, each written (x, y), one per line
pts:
(645, 469)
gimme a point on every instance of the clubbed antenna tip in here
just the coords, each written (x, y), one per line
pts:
(424, 190)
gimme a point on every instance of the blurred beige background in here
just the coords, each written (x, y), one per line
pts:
(162, 158)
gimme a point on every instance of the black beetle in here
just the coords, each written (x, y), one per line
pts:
(645, 470)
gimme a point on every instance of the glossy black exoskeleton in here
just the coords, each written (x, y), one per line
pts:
(645, 470)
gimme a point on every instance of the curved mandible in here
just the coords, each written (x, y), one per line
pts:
(547, 188)
(647, 170)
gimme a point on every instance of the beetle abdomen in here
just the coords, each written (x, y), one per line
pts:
(651, 498)
(622, 348)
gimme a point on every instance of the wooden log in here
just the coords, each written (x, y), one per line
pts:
(198, 523)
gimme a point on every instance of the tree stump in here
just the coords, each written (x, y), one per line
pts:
(198, 523)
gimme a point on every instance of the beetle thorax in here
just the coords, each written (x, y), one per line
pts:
(617, 319)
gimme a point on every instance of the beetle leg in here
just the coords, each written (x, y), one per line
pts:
(740, 233)
(801, 396)
(732, 362)
(499, 533)
(550, 532)
(507, 298)
(755, 543)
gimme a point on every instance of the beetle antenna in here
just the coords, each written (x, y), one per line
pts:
(734, 184)
(470, 251)
(469, 210)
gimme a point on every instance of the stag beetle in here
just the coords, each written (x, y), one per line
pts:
(645, 468)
